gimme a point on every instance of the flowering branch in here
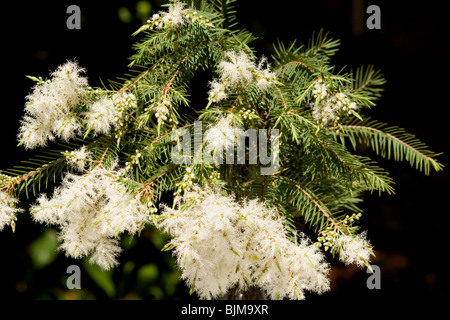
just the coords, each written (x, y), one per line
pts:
(231, 226)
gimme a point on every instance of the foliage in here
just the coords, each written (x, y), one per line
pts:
(129, 130)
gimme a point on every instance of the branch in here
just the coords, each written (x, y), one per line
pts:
(144, 74)
(282, 97)
(384, 140)
(169, 84)
(334, 223)
(299, 63)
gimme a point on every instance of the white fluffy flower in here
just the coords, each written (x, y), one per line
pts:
(238, 70)
(354, 250)
(8, 210)
(173, 18)
(217, 92)
(223, 136)
(91, 211)
(327, 108)
(220, 243)
(67, 126)
(265, 76)
(106, 252)
(101, 116)
(48, 110)
(77, 158)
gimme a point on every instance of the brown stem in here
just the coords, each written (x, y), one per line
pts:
(300, 63)
(321, 209)
(281, 96)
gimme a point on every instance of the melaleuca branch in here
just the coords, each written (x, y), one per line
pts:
(234, 224)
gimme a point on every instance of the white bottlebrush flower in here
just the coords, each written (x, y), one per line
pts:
(327, 108)
(223, 136)
(8, 210)
(354, 249)
(300, 267)
(48, 111)
(265, 76)
(77, 158)
(324, 112)
(173, 18)
(101, 116)
(106, 252)
(238, 70)
(67, 126)
(221, 243)
(217, 92)
(91, 211)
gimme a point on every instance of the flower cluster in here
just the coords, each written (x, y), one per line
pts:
(352, 249)
(8, 180)
(175, 18)
(328, 236)
(217, 91)
(214, 177)
(320, 89)
(109, 112)
(224, 135)
(328, 107)
(91, 211)
(124, 101)
(193, 16)
(248, 114)
(134, 159)
(101, 116)
(264, 75)
(147, 195)
(51, 108)
(8, 210)
(220, 243)
(77, 158)
(238, 71)
(185, 185)
(162, 109)
(48, 112)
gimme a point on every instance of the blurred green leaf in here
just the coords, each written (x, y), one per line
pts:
(101, 277)
(124, 15)
(171, 280)
(156, 292)
(143, 10)
(44, 249)
(147, 274)
(128, 267)
(159, 239)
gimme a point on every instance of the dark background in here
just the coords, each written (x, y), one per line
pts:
(408, 229)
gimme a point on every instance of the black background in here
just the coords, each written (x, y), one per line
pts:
(409, 229)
